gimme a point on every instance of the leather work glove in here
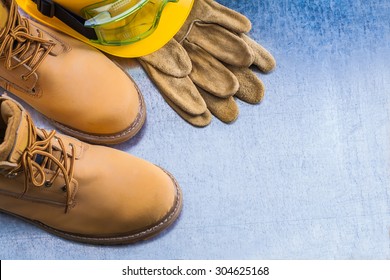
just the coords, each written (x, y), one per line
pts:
(207, 63)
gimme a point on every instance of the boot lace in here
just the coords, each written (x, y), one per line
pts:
(16, 41)
(34, 172)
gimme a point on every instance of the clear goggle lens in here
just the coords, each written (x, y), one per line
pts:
(122, 22)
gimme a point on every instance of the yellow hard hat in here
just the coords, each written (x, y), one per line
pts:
(125, 28)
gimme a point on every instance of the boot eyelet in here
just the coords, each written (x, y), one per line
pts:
(12, 175)
(48, 184)
(64, 189)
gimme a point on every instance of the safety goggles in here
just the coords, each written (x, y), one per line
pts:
(111, 22)
(124, 21)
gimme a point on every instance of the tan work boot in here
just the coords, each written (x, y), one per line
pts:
(87, 193)
(83, 92)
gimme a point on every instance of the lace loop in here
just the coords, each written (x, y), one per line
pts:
(34, 170)
(17, 42)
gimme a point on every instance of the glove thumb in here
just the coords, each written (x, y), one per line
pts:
(172, 59)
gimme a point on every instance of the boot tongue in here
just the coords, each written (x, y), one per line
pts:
(14, 135)
(14, 130)
(3, 15)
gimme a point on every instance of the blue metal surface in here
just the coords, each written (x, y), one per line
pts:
(304, 175)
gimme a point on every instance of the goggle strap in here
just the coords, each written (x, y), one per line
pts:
(51, 9)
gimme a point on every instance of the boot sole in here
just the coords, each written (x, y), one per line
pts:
(129, 238)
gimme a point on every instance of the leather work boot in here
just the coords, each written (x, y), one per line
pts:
(77, 87)
(83, 192)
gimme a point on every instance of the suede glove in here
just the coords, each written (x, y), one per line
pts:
(207, 63)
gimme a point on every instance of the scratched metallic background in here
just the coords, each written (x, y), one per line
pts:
(304, 175)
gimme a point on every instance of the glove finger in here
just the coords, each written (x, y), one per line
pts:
(225, 109)
(213, 12)
(251, 87)
(210, 74)
(226, 17)
(172, 59)
(222, 44)
(180, 91)
(196, 120)
(262, 58)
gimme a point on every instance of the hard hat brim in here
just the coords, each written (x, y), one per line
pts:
(172, 19)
